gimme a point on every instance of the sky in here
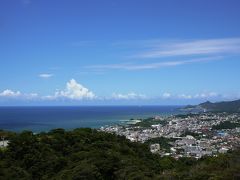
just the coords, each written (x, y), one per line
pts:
(119, 52)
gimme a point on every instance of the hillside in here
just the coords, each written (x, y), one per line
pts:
(78, 154)
(89, 154)
(228, 106)
(225, 106)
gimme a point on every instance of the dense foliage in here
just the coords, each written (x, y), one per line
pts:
(89, 154)
(150, 121)
(226, 125)
(77, 154)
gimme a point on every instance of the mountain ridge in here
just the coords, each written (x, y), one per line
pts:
(226, 106)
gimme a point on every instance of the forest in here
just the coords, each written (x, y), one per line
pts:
(86, 153)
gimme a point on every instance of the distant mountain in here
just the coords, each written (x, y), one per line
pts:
(226, 106)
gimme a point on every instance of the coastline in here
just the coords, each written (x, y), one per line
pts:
(38, 119)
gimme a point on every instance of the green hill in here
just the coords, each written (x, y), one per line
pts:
(77, 154)
(228, 106)
(89, 154)
(225, 106)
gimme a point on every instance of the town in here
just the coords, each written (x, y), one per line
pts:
(190, 135)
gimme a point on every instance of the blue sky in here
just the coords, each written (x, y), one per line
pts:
(71, 52)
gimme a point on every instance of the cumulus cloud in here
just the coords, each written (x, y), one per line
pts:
(129, 96)
(45, 75)
(74, 91)
(10, 93)
(18, 95)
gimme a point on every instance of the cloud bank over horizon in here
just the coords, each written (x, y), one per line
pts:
(76, 92)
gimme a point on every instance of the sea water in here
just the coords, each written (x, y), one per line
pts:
(39, 119)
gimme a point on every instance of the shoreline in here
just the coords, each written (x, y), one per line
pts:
(43, 120)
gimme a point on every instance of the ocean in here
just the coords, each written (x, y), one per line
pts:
(39, 119)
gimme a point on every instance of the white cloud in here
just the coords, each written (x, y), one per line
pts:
(45, 75)
(193, 47)
(206, 95)
(185, 96)
(169, 96)
(129, 66)
(74, 91)
(129, 96)
(193, 51)
(18, 95)
(10, 93)
(166, 95)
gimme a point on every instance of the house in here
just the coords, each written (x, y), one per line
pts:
(4, 143)
(154, 148)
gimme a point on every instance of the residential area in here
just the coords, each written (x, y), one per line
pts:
(191, 135)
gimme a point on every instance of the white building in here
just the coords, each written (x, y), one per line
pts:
(4, 143)
(154, 148)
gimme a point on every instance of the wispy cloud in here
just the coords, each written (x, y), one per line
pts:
(191, 47)
(130, 66)
(184, 51)
(45, 75)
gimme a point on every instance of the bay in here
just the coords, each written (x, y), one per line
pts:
(39, 119)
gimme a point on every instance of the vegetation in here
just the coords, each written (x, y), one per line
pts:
(77, 154)
(6, 134)
(185, 115)
(89, 154)
(226, 106)
(226, 125)
(195, 135)
(150, 121)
